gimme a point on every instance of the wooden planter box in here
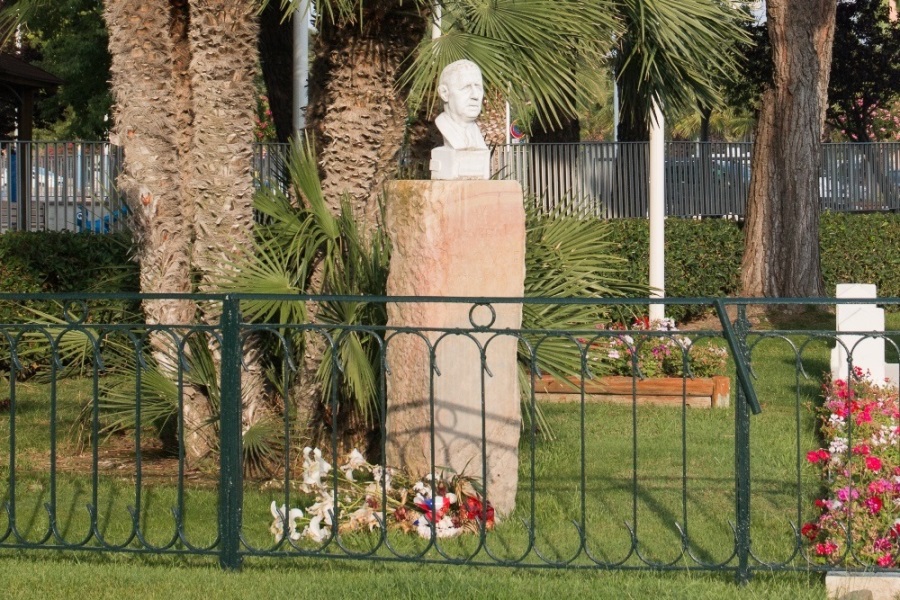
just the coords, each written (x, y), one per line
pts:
(664, 391)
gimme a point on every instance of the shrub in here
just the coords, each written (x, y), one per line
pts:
(703, 258)
(861, 248)
(58, 262)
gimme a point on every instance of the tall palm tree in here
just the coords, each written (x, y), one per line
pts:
(183, 83)
(666, 55)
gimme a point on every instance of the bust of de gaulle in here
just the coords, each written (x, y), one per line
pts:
(464, 155)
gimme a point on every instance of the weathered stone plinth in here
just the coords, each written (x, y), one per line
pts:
(456, 238)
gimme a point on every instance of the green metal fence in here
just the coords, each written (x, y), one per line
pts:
(101, 439)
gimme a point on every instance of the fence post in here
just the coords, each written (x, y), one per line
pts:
(742, 455)
(230, 474)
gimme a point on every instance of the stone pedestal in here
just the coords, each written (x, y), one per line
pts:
(452, 386)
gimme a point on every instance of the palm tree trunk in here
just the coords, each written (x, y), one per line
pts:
(357, 115)
(152, 116)
(224, 56)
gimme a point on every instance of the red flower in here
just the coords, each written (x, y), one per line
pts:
(826, 549)
(809, 530)
(874, 504)
(885, 560)
(815, 456)
(861, 449)
(873, 463)
(475, 510)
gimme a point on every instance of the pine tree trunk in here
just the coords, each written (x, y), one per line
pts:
(781, 257)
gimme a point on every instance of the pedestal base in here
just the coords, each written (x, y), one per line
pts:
(453, 392)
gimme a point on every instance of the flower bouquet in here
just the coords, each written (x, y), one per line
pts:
(361, 496)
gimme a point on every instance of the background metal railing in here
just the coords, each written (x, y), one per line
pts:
(71, 185)
(609, 180)
(600, 485)
(60, 186)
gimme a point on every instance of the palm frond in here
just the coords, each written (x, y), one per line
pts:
(664, 52)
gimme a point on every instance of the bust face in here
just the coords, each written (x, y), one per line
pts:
(462, 94)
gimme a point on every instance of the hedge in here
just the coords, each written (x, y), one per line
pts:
(703, 257)
(58, 262)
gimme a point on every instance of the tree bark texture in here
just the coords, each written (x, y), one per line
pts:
(183, 82)
(152, 123)
(223, 38)
(355, 111)
(781, 258)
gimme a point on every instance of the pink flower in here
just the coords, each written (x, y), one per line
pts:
(873, 463)
(846, 493)
(885, 560)
(882, 544)
(880, 486)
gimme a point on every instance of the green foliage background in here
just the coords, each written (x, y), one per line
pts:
(59, 262)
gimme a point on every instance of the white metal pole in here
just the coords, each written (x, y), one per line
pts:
(300, 20)
(436, 19)
(657, 213)
(615, 127)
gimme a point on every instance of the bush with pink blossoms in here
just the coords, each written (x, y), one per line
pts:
(859, 463)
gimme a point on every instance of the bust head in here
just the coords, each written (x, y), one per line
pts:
(461, 89)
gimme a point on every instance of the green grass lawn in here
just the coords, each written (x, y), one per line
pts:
(662, 475)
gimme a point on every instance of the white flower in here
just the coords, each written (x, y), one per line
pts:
(422, 490)
(324, 508)
(443, 528)
(838, 445)
(314, 469)
(378, 472)
(666, 324)
(355, 461)
(278, 514)
(315, 531)
(613, 354)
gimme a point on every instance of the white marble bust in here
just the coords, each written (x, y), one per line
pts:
(464, 155)
(461, 89)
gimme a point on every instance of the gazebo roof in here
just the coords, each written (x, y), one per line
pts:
(18, 73)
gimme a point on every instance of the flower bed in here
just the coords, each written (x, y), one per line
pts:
(664, 368)
(859, 464)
